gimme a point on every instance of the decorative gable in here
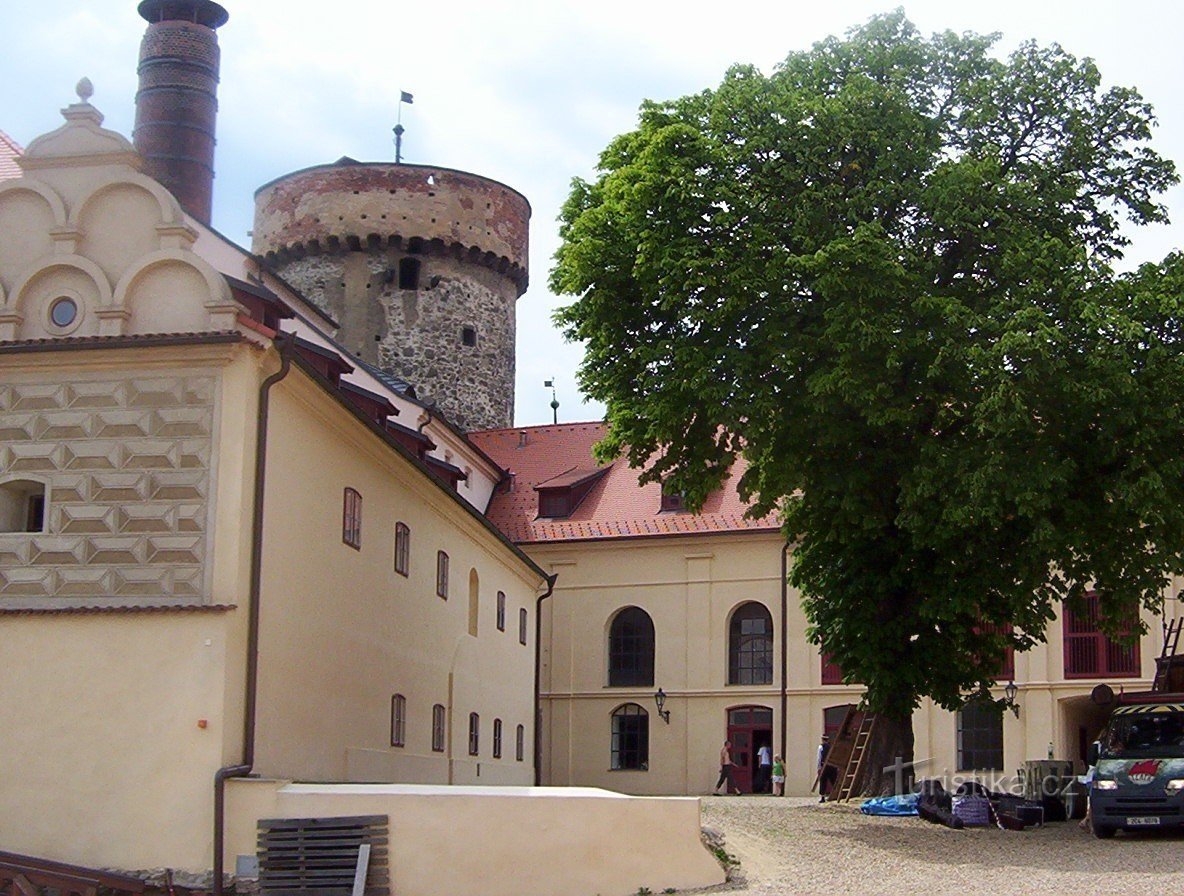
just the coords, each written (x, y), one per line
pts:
(93, 247)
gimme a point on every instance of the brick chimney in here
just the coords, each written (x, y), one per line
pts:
(177, 102)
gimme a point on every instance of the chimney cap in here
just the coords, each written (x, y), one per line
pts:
(201, 12)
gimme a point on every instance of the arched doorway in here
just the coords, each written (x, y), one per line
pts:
(749, 727)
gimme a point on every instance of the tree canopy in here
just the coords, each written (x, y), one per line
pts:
(883, 275)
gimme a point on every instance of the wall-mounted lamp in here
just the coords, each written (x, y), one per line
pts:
(660, 699)
(1009, 694)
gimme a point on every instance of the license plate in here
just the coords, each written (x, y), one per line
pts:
(1143, 820)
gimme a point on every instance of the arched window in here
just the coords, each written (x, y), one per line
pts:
(631, 649)
(398, 720)
(631, 738)
(22, 506)
(520, 743)
(750, 645)
(474, 734)
(497, 738)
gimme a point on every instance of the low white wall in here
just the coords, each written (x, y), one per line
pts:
(500, 841)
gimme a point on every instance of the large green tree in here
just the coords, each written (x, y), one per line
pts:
(882, 274)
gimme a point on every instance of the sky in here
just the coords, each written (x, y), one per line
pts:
(527, 93)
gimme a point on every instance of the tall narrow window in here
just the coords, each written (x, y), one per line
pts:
(630, 738)
(980, 737)
(522, 625)
(402, 549)
(750, 645)
(351, 519)
(398, 720)
(520, 743)
(474, 734)
(442, 574)
(497, 738)
(438, 728)
(501, 611)
(631, 649)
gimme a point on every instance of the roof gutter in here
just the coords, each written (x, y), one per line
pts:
(283, 344)
(538, 659)
(784, 644)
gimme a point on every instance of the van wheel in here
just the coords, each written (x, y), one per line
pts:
(1103, 831)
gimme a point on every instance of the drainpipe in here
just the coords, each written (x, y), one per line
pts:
(538, 659)
(283, 343)
(784, 644)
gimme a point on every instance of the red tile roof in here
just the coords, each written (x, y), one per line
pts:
(9, 150)
(616, 507)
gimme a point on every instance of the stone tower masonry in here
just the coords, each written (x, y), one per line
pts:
(420, 266)
(177, 100)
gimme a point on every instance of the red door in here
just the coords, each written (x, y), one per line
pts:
(748, 728)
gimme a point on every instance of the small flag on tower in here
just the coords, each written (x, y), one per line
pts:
(405, 97)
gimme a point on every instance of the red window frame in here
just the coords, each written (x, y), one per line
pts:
(1090, 654)
(351, 518)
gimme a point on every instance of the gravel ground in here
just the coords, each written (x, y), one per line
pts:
(796, 846)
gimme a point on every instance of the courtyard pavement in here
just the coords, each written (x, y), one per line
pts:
(793, 845)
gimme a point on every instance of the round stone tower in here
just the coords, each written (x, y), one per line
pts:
(177, 102)
(420, 266)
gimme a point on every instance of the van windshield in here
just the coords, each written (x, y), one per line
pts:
(1144, 735)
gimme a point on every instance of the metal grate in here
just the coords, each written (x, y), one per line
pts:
(319, 856)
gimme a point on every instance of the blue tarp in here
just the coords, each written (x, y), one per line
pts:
(905, 804)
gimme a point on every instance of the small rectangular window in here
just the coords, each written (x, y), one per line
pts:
(474, 734)
(36, 514)
(980, 737)
(442, 574)
(351, 519)
(402, 549)
(398, 720)
(520, 743)
(497, 738)
(501, 611)
(438, 725)
(522, 625)
(468, 336)
(409, 273)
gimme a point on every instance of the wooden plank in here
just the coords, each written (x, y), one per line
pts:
(360, 871)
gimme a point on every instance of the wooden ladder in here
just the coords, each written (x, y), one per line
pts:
(1171, 637)
(855, 761)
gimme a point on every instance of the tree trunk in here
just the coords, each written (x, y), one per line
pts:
(887, 765)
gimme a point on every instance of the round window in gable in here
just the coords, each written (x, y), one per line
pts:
(63, 312)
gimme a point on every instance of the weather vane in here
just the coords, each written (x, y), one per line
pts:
(404, 97)
(550, 384)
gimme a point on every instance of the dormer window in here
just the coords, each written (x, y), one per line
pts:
(672, 501)
(560, 496)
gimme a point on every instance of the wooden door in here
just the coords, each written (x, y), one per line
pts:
(748, 728)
